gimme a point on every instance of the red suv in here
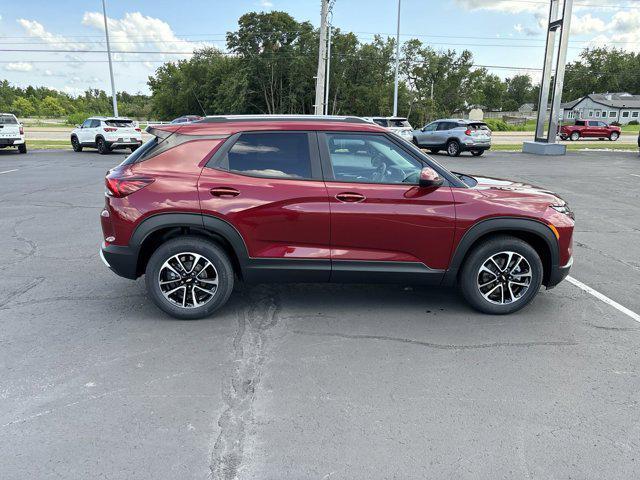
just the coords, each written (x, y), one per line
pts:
(321, 199)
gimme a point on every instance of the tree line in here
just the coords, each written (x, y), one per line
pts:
(269, 66)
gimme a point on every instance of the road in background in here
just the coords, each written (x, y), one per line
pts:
(313, 381)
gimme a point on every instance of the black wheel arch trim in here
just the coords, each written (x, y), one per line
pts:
(497, 225)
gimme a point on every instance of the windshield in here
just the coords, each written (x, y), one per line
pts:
(8, 120)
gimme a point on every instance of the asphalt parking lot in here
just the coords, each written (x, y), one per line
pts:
(314, 381)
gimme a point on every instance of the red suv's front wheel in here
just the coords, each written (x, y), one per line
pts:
(501, 275)
(189, 277)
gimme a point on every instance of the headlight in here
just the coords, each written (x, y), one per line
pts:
(564, 209)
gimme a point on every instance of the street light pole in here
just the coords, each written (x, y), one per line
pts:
(395, 86)
(326, 88)
(113, 83)
(322, 67)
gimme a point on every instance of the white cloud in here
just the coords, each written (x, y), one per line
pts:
(265, 4)
(623, 31)
(136, 31)
(36, 30)
(510, 6)
(587, 24)
(19, 67)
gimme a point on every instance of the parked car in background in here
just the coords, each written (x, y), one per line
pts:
(454, 136)
(398, 125)
(186, 119)
(106, 134)
(589, 129)
(12, 133)
(319, 199)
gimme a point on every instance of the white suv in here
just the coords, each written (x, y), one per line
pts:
(106, 133)
(12, 132)
(398, 125)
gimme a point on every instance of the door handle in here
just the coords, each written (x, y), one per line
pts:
(350, 197)
(224, 192)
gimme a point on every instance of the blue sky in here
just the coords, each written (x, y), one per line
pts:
(498, 32)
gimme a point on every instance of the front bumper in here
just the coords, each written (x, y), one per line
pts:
(558, 274)
(121, 260)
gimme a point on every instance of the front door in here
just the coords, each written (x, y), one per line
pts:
(382, 222)
(268, 186)
(426, 136)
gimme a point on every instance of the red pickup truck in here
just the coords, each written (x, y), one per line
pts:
(589, 129)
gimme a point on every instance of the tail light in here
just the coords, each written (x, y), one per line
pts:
(467, 132)
(138, 130)
(21, 130)
(119, 186)
(110, 129)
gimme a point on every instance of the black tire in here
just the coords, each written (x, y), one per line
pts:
(75, 143)
(435, 151)
(22, 148)
(614, 136)
(470, 274)
(415, 142)
(200, 246)
(103, 147)
(477, 153)
(453, 148)
(575, 136)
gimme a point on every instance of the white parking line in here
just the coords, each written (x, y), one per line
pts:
(604, 298)
(9, 171)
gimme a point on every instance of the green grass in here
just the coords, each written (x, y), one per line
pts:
(576, 146)
(630, 128)
(48, 144)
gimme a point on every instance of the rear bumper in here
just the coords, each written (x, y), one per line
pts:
(558, 274)
(475, 146)
(11, 141)
(121, 260)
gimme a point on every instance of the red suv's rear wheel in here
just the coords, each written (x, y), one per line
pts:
(189, 277)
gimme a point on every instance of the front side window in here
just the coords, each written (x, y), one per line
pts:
(86, 124)
(277, 155)
(431, 127)
(370, 159)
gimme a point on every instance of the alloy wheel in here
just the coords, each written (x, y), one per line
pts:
(188, 280)
(504, 278)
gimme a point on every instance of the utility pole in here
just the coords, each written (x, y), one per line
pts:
(113, 83)
(322, 58)
(395, 84)
(326, 88)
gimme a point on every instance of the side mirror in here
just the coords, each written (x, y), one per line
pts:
(429, 178)
(423, 129)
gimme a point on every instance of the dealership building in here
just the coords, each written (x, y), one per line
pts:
(609, 107)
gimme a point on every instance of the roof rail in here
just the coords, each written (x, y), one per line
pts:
(281, 118)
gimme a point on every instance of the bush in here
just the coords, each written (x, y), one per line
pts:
(633, 122)
(77, 118)
(498, 125)
(615, 124)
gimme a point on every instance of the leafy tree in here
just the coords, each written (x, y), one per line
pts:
(50, 107)
(23, 107)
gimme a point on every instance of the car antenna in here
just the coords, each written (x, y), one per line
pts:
(198, 100)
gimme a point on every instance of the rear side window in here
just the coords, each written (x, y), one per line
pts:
(8, 120)
(447, 125)
(279, 155)
(581, 123)
(95, 123)
(142, 153)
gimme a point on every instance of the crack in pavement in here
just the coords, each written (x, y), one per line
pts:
(32, 245)
(239, 389)
(607, 255)
(21, 290)
(438, 346)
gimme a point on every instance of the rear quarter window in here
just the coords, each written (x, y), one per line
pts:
(8, 120)
(142, 153)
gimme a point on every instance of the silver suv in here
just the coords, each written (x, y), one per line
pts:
(455, 136)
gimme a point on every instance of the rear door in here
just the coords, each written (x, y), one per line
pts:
(9, 127)
(381, 221)
(269, 186)
(443, 132)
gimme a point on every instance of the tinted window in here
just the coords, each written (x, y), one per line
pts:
(380, 121)
(95, 123)
(399, 122)
(142, 153)
(86, 124)
(119, 123)
(370, 159)
(431, 127)
(581, 123)
(594, 124)
(283, 155)
(8, 120)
